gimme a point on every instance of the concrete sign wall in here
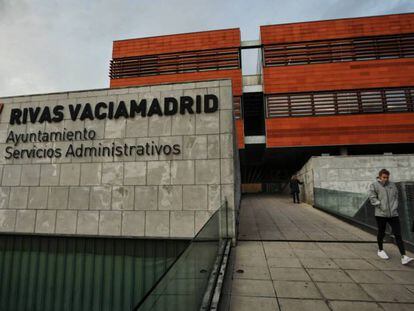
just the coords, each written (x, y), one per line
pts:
(146, 162)
(352, 175)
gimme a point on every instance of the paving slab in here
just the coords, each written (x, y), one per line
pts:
(289, 274)
(319, 263)
(255, 288)
(251, 272)
(309, 253)
(302, 305)
(401, 277)
(392, 264)
(300, 272)
(354, 306)
(369, 276)
(279, 262)
(389, 292)
(275, 217)
(329, 275)
(243, 303)
(355, 264)
(293, 289)
(342, 291)
(397, 306)
(335, 250)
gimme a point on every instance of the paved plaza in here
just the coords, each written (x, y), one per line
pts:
(340, 271)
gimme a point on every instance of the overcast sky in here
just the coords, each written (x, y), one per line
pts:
(63, 45)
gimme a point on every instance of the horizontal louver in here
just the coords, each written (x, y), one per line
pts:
(340, 102)
(340, 50)
(173, 63)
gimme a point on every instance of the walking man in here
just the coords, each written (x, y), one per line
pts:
(294, 188)
(383, 194)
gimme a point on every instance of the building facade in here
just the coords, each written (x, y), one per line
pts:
(338, 86)
(101, 190)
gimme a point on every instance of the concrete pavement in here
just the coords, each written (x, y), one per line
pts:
(326, 275)
(270, 217)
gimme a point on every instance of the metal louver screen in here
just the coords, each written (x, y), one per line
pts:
(65, 273)
(173, 63)
(339, 50)
(340, 102)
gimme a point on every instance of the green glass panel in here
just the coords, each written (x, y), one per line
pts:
(186, 284)
(356, 207)
(40, 273)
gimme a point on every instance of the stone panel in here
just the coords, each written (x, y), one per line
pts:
(112, 173)
(11, 175)
(182, 224)
(146, 198)
(137, 127)
(123, 198)
(45, 221)
(207, 171)
(182, 172)
(7, 220)
(226, 121)
(49, 174)
(58, 198)
(159, 126)
(158, 173)
(91, 174)
(38, 197)
(213, 146)
(133, 223)
(100, 198)
(195, 197)
(183, 124)
(195, 147)
(135, 173)
(227, 171)
(87, 223)
(25, 221)
(207, 124)
(4, 197)
(69, 174)
(110, 223)
(66, 222)
(214, 197)
(157, 223)
(170, 198)
(78, 198)
(18, 197)
(30, 175)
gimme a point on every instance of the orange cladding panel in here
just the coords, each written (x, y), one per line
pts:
(339, 28)
(339, 76)
(205, 40)
(240, 133)
(340, 130)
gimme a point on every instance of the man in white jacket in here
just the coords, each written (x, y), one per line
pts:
(383, 194)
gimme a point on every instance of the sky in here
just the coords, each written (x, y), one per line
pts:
(64, 45)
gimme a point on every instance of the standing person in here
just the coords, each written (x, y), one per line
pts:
(294, 188)
(383, 194)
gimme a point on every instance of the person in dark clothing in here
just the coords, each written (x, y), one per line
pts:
(294, 188)
(383, 195)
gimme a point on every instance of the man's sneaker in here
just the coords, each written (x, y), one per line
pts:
(383, 255)
(405, 259)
